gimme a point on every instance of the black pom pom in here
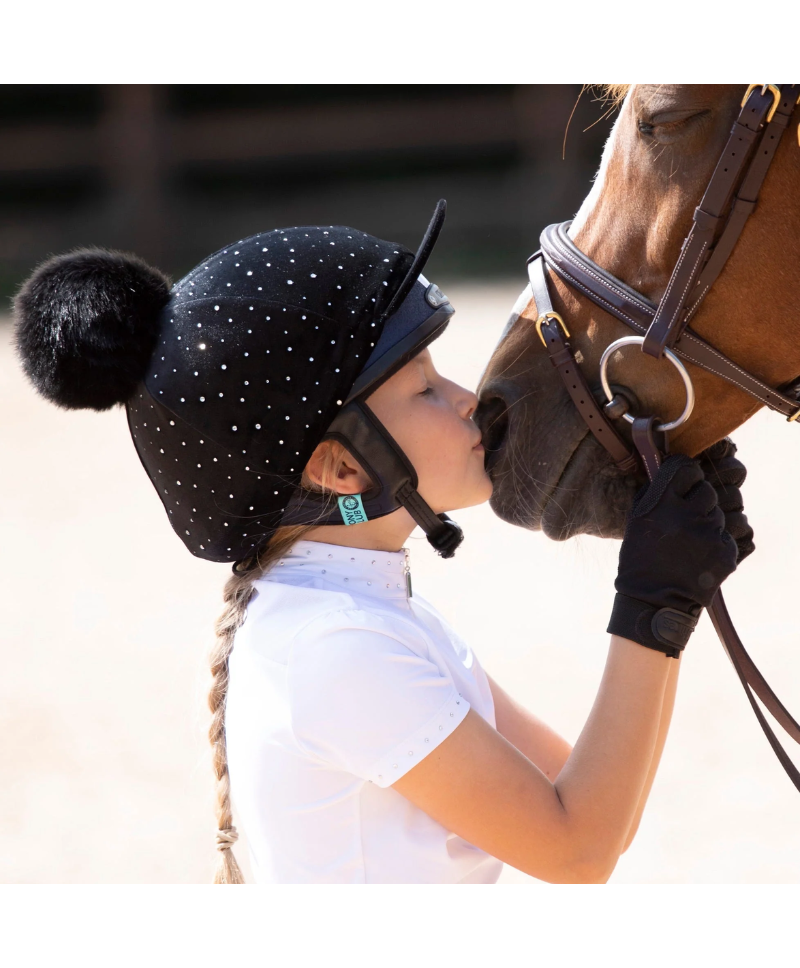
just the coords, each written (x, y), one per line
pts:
(87, 324)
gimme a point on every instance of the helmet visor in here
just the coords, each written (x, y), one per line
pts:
(420, 318)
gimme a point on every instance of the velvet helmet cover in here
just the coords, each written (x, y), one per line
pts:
(231, 377)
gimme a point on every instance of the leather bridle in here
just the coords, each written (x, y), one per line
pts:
(663, 331)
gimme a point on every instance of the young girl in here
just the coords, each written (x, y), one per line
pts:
(283, 402)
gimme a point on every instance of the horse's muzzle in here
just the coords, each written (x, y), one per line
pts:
(492, 418)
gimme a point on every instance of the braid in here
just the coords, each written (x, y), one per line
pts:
(237, 595)
(238, 592)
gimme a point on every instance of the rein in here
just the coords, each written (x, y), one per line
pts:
(663, 332)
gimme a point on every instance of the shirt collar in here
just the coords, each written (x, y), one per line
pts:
(380, 574)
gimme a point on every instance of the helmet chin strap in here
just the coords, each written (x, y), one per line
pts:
(394, 483)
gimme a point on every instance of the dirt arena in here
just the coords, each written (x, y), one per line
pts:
(106, 621)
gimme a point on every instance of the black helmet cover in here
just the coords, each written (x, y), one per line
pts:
(256, 350)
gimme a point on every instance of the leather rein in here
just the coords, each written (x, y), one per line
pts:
(662, 330)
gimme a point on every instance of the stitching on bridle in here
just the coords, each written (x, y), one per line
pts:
(728, 379)
(598, 298)
(636, 325)
(691, 311)
(736, 366)
(674, 275)
(590, 272)
(689, 282)
(570, 257)
(557, 243)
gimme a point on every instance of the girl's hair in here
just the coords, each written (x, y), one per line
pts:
(238, 592)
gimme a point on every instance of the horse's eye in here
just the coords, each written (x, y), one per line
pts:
(669, 126)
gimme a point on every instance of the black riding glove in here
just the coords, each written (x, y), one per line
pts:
(674, 556)
(726, 475)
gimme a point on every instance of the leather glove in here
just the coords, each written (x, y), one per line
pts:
(674, 556)
(726, 475)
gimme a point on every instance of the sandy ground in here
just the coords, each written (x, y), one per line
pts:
(106, 621)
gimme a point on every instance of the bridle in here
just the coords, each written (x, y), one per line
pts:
(663, 332)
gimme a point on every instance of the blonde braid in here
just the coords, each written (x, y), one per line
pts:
(238, 592)
(237, 595)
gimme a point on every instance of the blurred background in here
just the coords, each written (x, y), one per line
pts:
(174, 172)
(105, 620)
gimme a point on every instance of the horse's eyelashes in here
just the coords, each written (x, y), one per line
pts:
(671, 125)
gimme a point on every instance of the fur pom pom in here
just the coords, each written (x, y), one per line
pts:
(87, 324)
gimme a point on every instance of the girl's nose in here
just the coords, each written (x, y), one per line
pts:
(468, 402)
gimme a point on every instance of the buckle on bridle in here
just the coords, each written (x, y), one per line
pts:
(794, 416)
(776, 97)
(541, 321)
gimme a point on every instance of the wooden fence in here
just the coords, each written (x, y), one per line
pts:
(143, 173)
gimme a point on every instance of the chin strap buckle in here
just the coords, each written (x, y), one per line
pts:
(443, 534)
(446, 538)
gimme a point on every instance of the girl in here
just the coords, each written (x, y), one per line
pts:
(283, 402)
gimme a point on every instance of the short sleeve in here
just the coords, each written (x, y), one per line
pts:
(365, 700)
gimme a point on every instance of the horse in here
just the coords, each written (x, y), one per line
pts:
(549, 472)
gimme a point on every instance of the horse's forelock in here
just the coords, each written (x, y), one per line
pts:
(616, 92)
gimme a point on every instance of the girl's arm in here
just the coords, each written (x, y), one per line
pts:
(726, 474)
(549, 751)
(572, 829)
(673, 558)
(541, 744)
(666, 718)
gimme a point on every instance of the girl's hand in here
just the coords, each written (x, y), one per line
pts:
(726, 475)
(674, 556)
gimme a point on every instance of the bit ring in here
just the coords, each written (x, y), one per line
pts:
(687, 380)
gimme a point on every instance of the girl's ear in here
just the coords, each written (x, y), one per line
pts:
(333, 468)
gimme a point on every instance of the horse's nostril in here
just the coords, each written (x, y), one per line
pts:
(492, 418)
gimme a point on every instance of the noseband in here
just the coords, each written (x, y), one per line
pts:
(663, 332)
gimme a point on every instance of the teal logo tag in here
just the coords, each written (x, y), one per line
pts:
(352, 509)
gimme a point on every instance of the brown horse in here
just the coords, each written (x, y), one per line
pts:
(548, 470)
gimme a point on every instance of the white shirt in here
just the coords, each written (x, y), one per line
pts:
(339, 684)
